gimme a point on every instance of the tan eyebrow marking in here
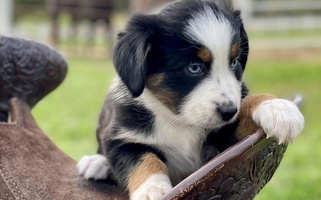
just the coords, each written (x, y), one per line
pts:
(234, 51)
(205, 54)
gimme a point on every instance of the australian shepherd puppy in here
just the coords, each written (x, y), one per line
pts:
(176, 102)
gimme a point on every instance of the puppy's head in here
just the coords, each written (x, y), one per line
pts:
(190, 57)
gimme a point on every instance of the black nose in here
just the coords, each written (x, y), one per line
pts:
(227, 112)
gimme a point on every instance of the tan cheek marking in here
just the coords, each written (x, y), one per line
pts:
(150, 164)
(234, 51)
(205, 54)
(154, 80)
(164, 95)
(246, 125)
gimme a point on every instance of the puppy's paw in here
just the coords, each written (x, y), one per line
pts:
(93, 167)
(155, 187)
(279, 118)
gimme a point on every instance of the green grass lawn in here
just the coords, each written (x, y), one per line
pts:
(69, 117)
(299, 175)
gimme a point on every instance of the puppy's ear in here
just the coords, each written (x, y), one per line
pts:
(244, 40)
(130, 54)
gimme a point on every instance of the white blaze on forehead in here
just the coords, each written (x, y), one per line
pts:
(221, 87)
(213, 31)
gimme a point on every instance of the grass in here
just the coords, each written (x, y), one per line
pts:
(299, 175)
(70, 114)
(289, 33)
(69, 117)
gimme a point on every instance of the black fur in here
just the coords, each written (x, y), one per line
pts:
(131, 52)
(135, 117)
(125, 156)
(155, 44)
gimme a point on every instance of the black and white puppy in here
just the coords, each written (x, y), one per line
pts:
(176, 101)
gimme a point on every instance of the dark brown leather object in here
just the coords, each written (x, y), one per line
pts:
(33, 168)
(239, 173)
(28, 70)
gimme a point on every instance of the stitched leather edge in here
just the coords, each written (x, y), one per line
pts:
(11, 184)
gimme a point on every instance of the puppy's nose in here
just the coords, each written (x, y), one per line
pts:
(227, 112)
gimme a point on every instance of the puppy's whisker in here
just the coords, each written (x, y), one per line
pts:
(204, 126)
(245, 42)
(187, 48)
(171, 121)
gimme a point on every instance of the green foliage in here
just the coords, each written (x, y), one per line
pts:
(70, 114)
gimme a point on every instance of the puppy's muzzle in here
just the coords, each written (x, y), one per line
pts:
(227, 111)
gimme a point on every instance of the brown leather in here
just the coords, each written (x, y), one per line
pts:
(239, 173)
(5, 193)
(32, 167)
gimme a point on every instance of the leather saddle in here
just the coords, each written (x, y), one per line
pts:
(33, 167)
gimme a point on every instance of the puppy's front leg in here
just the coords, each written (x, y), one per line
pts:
(278, 118)
(149, 179)
(140, 169)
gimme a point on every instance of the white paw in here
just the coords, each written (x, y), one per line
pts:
(93, 167)
(279, 118)
(154, 188)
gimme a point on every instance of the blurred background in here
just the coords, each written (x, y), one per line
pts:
(285, 59)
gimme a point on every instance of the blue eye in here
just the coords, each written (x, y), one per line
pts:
(195, 69)
(234, 63)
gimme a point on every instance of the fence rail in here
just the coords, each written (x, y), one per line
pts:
(280, 15)
(283, 6)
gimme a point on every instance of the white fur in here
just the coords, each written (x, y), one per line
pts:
(279, 118)
(180, 136)
(200, 109)
(180, 141)
(155, 187)
(93, 167)
(214, 31)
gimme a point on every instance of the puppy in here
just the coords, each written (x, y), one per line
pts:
(176, 102)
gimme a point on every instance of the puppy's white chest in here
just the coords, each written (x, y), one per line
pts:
(182, 146)
(181, 143)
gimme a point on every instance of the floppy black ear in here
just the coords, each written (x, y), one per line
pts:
(130, 54)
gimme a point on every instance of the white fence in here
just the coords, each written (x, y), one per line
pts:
(6, 7)
(280, 14)
(258, 15)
